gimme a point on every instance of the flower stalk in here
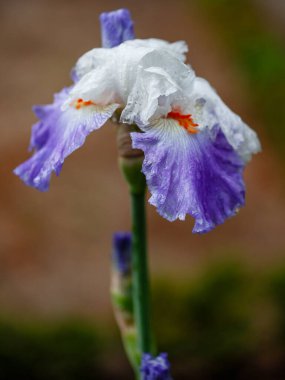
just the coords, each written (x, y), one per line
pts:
(140, 272)
(130, 162)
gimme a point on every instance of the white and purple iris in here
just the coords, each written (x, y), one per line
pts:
(195, 148)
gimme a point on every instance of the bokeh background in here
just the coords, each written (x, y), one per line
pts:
(218, 299)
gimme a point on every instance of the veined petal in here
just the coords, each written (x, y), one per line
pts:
(215, 112)
(198, 174)
(47, 115)
(57, 135)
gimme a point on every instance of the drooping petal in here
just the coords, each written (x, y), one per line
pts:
(241, 137)
(57, 135)
(116, 27)
(155, 368)
(47, 115)
(198, 174)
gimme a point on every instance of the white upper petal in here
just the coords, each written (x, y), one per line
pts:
(178, 49)
(162, 82)
(92, 59)
(96, 57)
(145, 76)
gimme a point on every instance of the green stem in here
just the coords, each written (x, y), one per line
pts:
(140, 272)
(132, 170)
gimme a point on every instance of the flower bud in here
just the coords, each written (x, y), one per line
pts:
(121, 291)
(155, 368)
(122, 245)
(116, 27)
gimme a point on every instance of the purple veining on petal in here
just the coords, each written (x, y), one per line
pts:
(155, 368)
(116, 27)
(122, 245)
(47, 115)
(57, 134)
(200, 174)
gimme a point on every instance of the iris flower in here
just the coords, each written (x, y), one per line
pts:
(195, 148)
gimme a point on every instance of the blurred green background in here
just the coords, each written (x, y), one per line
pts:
(218, 299)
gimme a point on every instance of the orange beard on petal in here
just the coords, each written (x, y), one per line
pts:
(80, 103)
(185, 121)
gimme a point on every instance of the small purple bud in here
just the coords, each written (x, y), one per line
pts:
(155, 368)
(116, 27)
(122, 246)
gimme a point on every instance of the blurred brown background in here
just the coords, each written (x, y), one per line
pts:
(55, 247)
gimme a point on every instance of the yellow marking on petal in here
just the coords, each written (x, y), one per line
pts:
(185, 121)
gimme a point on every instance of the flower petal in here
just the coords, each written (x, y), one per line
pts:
(144, 79)
(128, 54)
(47, 115)
(199, 174)
(241, 137)
(178, 48)
(162, 82)
(57, 135)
